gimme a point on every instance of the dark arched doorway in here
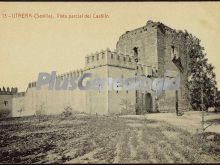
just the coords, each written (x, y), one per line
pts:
(148, 102)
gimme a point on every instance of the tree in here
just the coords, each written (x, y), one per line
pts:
(68, 111)
(217, 101)
(201, 80)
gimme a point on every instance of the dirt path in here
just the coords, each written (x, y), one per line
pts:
(190, 121)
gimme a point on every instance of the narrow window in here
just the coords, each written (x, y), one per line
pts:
(173, 55)
(173, 48)
(136, 96)
(135, 49)
(111, 56)
(87, 60)
(97, 57)
(6, 103)
(92, 58)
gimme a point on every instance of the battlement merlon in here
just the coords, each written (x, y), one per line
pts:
(108, 57)
(8, 91)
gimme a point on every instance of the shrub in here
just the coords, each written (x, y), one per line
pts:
(67, 111)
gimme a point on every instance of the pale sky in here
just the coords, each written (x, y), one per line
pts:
(29, 46)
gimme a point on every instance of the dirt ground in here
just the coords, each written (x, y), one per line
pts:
(190, 121)
(106, 139)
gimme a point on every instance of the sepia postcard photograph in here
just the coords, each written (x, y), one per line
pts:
(109, 82)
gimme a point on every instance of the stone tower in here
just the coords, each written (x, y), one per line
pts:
(159, 48)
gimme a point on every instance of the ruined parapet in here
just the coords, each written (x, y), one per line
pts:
(146, 38)
(148, 71)
(139, 31)
(170, 33)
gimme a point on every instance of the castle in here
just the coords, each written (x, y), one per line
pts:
(149, 50)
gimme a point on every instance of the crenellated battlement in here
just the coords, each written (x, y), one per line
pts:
(108, 57)
(74, 73)
(8, 91)
(32, 84)
(96, 59)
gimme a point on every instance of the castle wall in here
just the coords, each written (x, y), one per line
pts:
(5, 105)
(96, 101)
(115, 98)
(113, 65)
(54, 101)
(31, 101)
(18, 105)
(120, 66)
(172, 43)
